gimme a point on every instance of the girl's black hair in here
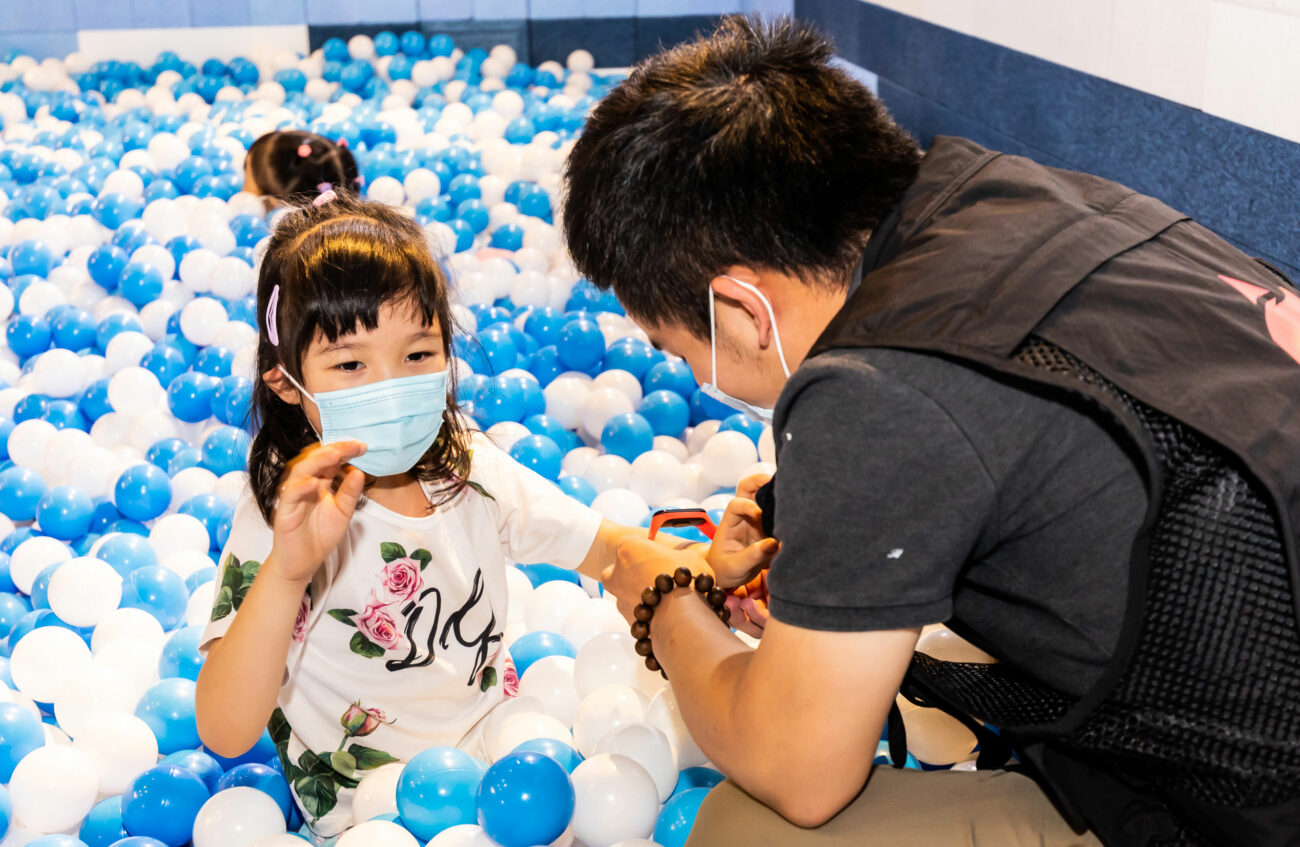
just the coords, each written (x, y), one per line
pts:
(337, 264)
(282, 172)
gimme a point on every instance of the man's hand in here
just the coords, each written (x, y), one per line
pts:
(639, 561)
(740, 550)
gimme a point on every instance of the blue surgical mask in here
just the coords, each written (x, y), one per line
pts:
(397, 419)
(762, 413)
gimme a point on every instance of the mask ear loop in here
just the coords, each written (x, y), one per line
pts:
(713, 341)
(771, 315)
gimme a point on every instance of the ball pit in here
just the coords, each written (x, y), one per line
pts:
(127, 272)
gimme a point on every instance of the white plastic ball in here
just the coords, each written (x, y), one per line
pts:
(377, 792)
(621, 505)
(33, 556)
(421, 183)
(462, 835)
(126, 623)
(603, 710)
(189, 482)
(566, 399)
(40, 297)
(84, 590)
(28, 440)
(386, 189)
(237, 817)
(59, 373)
(609, 658)
(177, 533)
(201, 319)
(658, 476)
(648, 747)
(46, 658)
(100, 690)
(584, 622)
(550, 679)
(526, 726)
(376, 834)
(665, 714)
(53, 788)
(121, 746)
(608, 471)
(726, 455)
(123, 182)
(614, 799)
(509, 104)
(135, 389)
(125, 350)
(550, 602)
(361, 47)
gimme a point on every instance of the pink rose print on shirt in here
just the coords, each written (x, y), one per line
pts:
(378, 626)
(401, 580)
(378, 631)
(510, 679)
(300, 623)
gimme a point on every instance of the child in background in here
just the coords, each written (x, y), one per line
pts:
(292, 166)
(363, 587)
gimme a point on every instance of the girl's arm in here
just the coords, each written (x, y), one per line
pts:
(241, 678)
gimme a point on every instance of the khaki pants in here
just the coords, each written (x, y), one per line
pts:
(901, 808)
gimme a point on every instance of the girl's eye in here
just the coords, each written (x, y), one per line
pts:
(423, 355)
(350, 367)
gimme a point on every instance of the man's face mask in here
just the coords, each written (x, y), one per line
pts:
(711, 389)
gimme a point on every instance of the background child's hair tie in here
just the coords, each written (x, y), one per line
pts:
(304, 150)
(343, 142)
(272, 305)
(323, 187)
(325, 196)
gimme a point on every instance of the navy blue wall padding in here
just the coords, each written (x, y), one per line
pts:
(1240, 182)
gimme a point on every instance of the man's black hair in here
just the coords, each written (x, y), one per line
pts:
(743, 147)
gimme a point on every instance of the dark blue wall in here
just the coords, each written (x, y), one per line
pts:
(1238, 181)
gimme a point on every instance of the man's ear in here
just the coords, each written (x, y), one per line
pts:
(726, 288)
(276, 381)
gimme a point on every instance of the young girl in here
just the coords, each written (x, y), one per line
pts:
(363, 588)
(297, 166)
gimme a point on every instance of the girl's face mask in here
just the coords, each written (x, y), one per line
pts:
(397, 419)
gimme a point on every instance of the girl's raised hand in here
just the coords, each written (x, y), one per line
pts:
(312, 514)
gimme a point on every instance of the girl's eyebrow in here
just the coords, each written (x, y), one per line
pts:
(340, 345)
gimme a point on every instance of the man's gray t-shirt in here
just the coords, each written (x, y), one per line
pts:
(912, 489)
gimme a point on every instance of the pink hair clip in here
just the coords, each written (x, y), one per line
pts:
(304, 150)
(343, 142)
(272, 307)
(325, 196)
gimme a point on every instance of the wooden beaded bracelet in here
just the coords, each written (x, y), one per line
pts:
(664, 584)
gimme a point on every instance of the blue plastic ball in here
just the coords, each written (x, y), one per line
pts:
(508, 237)
(162, 803)
(211, 509)
(21, 490)
(265, 779)
(697, 777)
(262, 750)
(111, 326)
(113, 210)
(20, 734)
(438, 789)
(538, 453)
(567, 757)
(127, 552)
(744, 424)
(64, 512)
(705, 408)
(525, 799)
(199, 763)
(581, 344)
(189, 396)
(57, 840)
(532, 646)
(226, 450)
(666, 411)
(158, 591)
(168, 708)
(180, 654)
(670, 376)
(103, 826)
(474, 213)
(678, 816)
(141, 283)
(160, 453)
(627, 435)
(32, 257)
(28, 335)
(13, 607)
(142, 492)
(578, 488)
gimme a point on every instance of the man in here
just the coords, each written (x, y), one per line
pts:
(1032, 404)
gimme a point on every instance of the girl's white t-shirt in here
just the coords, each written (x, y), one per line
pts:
(397, 646)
